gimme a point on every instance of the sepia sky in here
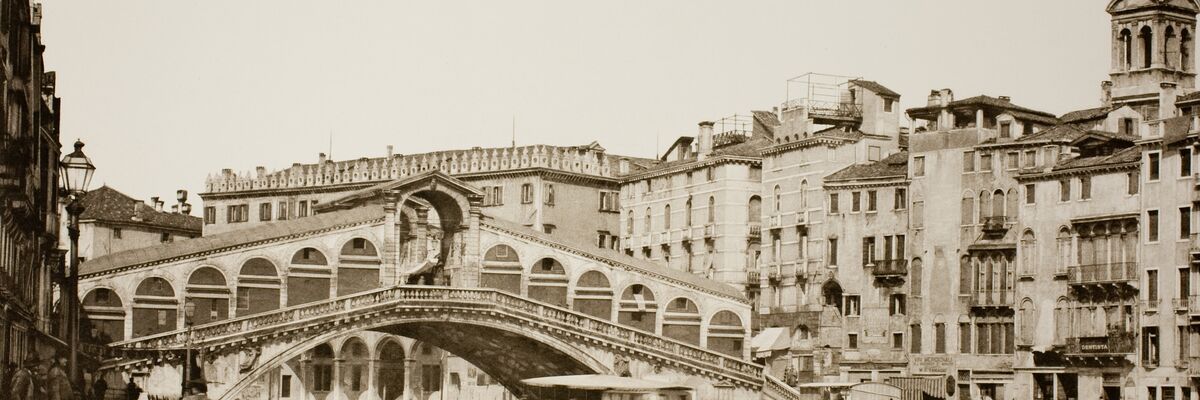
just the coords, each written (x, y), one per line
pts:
(167, 92)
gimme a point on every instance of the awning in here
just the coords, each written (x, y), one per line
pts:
(921, 388)
(603, 383)
(769, 340)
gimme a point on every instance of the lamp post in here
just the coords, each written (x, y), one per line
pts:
(189, 310)
(76, 171)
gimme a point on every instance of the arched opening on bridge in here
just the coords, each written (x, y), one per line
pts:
(308, 277)
(258, 287)
(428, 367)
(206, 289)
(593, 295)
(501, 269)
(682, 321)
(353, 359)
(390, 384)
(358, 267)
(726, 333)
(638, 309)
(318, 369)
(155, 308)
(106, 313)
(440, 234)
(548, 282)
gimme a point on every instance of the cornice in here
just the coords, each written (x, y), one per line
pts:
(807, 142)
(1082, 171)
(722, 159)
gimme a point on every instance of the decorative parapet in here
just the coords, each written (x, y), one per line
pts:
(587, 160)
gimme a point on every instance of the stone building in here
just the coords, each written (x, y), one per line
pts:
(30, 263)
(113, 222)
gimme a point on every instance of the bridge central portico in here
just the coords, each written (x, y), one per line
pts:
(417, 258)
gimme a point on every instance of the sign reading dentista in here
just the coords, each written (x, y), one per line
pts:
(932, 364)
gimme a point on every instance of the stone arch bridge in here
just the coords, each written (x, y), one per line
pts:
(419, 258)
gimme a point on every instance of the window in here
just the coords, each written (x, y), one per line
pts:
(873, 153)
(1152, 284)
(778, 200)
(282, 211)
(985, 162)
(1152, 226)
(918, 166)
(1150, 349)
(210, 215)
(526, 193)
(1013, 159)
(1132, 183)
(709, 174)
(646, 227)
(1030, 159)
(1085, 187)
(853, 305)
(285, 386)
(609, 201)
(1185, 161)
(162, 317)
(116, 233)
(964, 337)
(833, 252)
(1185, 222)
(939, 335)
(1064, 190)
(898, 340)
(494, 195)
(1005, 130)
(896, 305)
(548, 196)
(302, 209)
(851, 340)
(968, 161)
(264, 212)
(712, 209)
(1030, 193)
(360, 244)
(667, 217)
(868, 251)
(237, 213)
(1152, 166)
(833, 203)
(323, 377)
(687, 213)
(901, 199)
(914, 338)
(887, 105)
(855, 201)
(165, 237)
(871, 200)
(629, 224)
(918, 214)
(1126, 127)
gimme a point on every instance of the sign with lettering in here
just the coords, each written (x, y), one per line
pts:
(932, 364)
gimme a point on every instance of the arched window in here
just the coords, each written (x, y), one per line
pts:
(667, 217)
(258, 287)
(966, 275)
(629, 223)
(1170, 47)
(501, 269)
(968, 209)
(1011, 204)
(548, 282)
(1147, 36)
(985, 205)
(831, 294)
(646, 221)
(155, 307)
(308, 277)
(916, 270)
(1028, 250)
(391, 369)
(322, 368)
(1185, 42)
(998, 203)
(726, 333)
(1062, 321)
(755, 209)
(207, 291)
(803, 195)
(354, 367)
(1126, 49)
(106, 313)
(1028, 321)
(687, 212)
(682, 321)
(593, 295)
(712, 209)
(778, 200)
(638, 308)
(1063, 242)
(358, 267)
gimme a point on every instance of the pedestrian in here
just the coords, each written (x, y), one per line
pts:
(99, 387)
(132, 391)
(22, 386)
(58, 384)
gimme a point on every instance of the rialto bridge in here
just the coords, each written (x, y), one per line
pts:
(415, 258)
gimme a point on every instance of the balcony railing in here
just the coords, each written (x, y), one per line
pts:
(1179, 304)
(1194, 304)
(752, 277)
(709, 230)
(1118, 272)
(890, 268)
(995, 225)
(755, 232)
(1114, 343)
(992, 298)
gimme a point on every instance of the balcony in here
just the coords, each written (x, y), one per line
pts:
(992, 299)
(709, 230)
(802, 218)
(658, 238)
(773, 273)
(1194, 244)
(1193, 307)
(1179, 305)
(890, 269)
(995, 226)
(1119, 275)
(755, 232)
(685, 234)
(1113, 347)
(752, 277)
(775, 221)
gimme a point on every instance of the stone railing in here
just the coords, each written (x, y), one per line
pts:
(432, 297)
(775, 389)
(573, 159)
(1103, 273)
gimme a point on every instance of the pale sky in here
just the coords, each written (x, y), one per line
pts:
(167, 92)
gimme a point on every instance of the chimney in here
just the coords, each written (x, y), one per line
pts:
(174, 209)
(226, 172)
(137, 205)
(186, 209)
(321, 158)
(181, 195)
(1166, 100)
(1106, 93)
(705, 139)
(260, 171)
(389, 154)
(623, 166)
(154, 201)
(1005, 99)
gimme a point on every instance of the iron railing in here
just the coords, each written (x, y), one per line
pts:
(1103, 273)
(890, 268)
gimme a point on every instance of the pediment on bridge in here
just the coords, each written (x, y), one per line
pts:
(433, 180)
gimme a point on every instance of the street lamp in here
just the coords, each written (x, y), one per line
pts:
(76, 171)
(189, 310)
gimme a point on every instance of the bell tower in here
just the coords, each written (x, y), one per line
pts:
(1152, 43)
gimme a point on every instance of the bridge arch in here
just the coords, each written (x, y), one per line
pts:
(548, 281)
(358, 265)
(592, 294)
(391, 356)
(155, 307)
(638, 308)
(725, 333)
(489, 340)
(106, 312)
(309, 276)
(258, 286)
(502, 269)
(682, 320)
(209, 291)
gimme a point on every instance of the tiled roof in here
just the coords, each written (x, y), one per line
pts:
(890, 166)
(1055, 133)
(218, 241)
(644, 265)
(1193, 96)
(875, 87)
(1177, 129)
(768, 118)
(1123, 156)
(109, 205)
(751, 148)
(989, 101)
(1085, 115)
